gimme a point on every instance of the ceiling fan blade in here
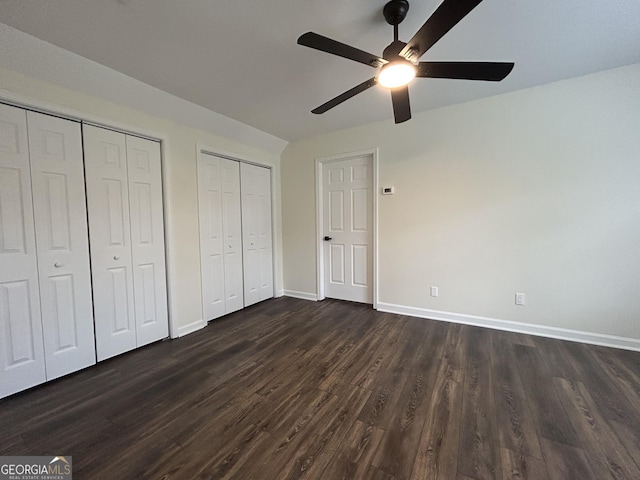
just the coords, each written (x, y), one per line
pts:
(324, 44)
(401, 107)
(490, 71)
(446, 16)
(345, 96)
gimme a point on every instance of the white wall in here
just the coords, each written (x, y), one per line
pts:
(60, 80)
(535, 191)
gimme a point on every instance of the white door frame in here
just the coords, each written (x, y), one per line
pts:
(320, 163)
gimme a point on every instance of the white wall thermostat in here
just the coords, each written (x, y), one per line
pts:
(388, 190)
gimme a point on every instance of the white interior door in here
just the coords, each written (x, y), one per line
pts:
(348, 229)
(232, 228)
(265, 237)
(250, 258)
(147, 239)
(256, 233)
(57, 174)
(22, 362)
(220, 235)
(110, 239)
(211, 236)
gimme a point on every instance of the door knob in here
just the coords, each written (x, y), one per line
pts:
(116, 257)
(327, 239)
(57, 265)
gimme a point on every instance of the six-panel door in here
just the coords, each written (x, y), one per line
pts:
(211, 236)
(147, 239)
(232, 229)
(110, 238)
(348, 221)
(256, 233)
(21, 347)
(220, 235)
(57, 174)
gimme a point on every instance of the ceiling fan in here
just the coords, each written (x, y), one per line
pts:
(399, 63)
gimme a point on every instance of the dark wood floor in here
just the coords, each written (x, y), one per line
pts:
(290, 389)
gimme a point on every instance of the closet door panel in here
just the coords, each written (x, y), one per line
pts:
(256, 232)
(62, 243)
(21, 347)
(147, 239)
(110, 239)
(211, 236)
(250, 212)
(265, 238)
(232, 228)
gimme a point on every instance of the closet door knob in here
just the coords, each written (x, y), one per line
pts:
(57, 265)
(116, 257)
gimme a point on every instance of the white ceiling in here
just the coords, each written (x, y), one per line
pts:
(240, 58)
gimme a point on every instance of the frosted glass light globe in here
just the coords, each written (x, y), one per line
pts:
(396, 74)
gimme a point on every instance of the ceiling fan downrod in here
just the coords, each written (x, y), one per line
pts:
(394, 13)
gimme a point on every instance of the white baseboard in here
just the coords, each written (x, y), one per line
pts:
(518, 327)
(279, 293)
(191, 327)
(301, 295)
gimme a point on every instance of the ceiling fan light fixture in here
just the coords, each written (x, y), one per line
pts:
(396, 74)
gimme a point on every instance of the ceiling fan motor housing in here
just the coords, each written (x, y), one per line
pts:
(392, 52)
(395, 11)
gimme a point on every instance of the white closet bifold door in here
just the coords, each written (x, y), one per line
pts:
(211, 236)
(147, 239)
(110, 239)
(124, 193)
(232, 228)
(256, 233)
(21, 347)
(59, 204)
(220, 235)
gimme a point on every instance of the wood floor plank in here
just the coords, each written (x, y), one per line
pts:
(612, 461)
(437, 454)
(518, 466)
(397, 452)
(547, 410)
(374, 473)
(623, 370)
(516, 428)
(334, 390)
(435, 457)
(313, 456)
(564, 461)
(552, 359)
(479, 434)
(629, 437)
(607, 394)
(352, 462)
(293, 435)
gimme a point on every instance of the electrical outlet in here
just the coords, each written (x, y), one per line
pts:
(434, 291)
(521, 299)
